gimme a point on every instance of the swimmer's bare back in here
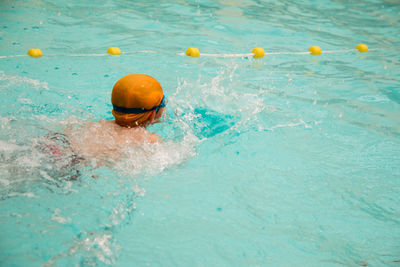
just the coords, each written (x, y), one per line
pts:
(107, 140)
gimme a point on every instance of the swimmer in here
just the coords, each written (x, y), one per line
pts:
(138, 101)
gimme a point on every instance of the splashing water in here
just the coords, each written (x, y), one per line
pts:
(286, 160)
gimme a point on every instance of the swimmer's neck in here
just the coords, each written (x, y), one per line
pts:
(138, 126)
(141, 130)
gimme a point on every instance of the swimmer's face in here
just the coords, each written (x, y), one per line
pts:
(159, 114)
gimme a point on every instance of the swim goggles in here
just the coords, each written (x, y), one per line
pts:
(140, 110)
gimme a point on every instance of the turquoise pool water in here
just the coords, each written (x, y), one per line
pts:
(288, 160)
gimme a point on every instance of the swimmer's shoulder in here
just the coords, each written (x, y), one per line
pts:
(139, 134)
(153, 138)
(144, 136)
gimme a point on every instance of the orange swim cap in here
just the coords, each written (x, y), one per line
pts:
(135, 92)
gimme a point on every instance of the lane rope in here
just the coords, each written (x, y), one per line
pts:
(257, 52)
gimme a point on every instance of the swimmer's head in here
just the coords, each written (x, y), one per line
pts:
(137, 100)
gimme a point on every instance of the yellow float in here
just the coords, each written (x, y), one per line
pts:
(35, 52)
(315, 50)
(362, 48)
(114, 51)
(193, 52)
(258, 52)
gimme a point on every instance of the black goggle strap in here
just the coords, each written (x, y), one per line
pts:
(139, 110)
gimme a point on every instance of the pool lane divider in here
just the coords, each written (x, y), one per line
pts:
(257, 52)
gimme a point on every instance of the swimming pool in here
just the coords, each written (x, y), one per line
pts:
(284, 160)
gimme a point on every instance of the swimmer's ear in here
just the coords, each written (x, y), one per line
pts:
(152, 116)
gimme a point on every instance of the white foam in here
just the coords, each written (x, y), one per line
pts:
(13, 79)
(5, 182)
(5, 123)
(9, 147)
(154, 158)
(56, 216)
(19, 166)
(15, 194)
(139, 191)
(119, 213)
(292, 124)
(98, 244)
(25, 101)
